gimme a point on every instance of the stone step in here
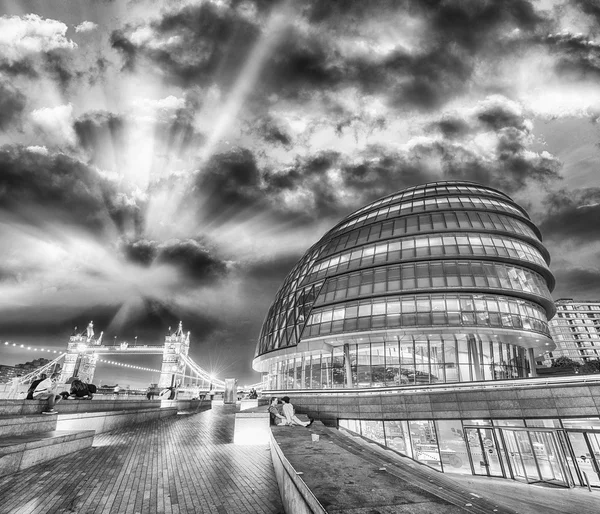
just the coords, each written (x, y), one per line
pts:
(19, 452)
(23, 425)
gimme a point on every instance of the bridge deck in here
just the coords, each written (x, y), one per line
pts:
(176, 465)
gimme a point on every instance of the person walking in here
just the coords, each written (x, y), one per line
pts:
(290, 416)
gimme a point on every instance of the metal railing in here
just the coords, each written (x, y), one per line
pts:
(520, 383)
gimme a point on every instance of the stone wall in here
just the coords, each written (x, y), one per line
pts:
(527, 401)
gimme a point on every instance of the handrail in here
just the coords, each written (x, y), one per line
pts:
(471, 386)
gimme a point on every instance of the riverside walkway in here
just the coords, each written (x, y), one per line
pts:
(180, 464)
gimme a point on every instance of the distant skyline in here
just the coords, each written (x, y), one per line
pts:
(165, 161)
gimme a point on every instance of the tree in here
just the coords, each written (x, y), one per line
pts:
(565, 362)
(592, 366)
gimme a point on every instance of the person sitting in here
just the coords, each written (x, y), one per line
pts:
(80, 390)
(290, 416)
(43, 389)
(276, 417)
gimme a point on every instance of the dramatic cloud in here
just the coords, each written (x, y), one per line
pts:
(12, 104)
(31, 34)
(55, 123)
(166, 160)
(572, 215)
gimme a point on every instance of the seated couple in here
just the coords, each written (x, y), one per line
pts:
(287, 416)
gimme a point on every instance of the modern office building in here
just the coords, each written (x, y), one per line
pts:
(575, 330)
(416, 322)
(447, 282)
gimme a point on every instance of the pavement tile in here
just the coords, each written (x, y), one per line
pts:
(180, 464)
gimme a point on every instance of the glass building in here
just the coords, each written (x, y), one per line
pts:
(438, 283)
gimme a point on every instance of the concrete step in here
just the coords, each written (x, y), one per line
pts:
(18, 452)
(23, 425)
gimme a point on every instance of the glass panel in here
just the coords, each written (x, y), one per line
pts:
(583, 458)
(436, 358)
(396, 436)
(338, 368)
(373, 430)
(392, 363)
(378, 367)
(422, 363)
(315, 372)
(453, 449)
(549, 457)
(363, 366)
(407, 360)
(424, 443)
(450, 363)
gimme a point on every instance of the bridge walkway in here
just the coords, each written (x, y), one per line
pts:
(180, 464)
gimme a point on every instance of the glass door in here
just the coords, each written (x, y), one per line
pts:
(483, 452)
(550, 458)
(514, 456)
(536, 456)
(587, 456)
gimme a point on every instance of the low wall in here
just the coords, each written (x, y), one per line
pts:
(25, 407)
(529, 400)
(296, 497)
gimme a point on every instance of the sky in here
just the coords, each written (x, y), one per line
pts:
(172, 160)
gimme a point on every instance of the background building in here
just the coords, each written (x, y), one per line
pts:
(575, 330)
(9, 372)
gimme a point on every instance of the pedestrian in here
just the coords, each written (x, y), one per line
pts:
(276, 417)
(117, 390)
(290, 416)
(43, 389)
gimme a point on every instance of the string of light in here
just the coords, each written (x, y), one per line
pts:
(32, 348)
(123, 365)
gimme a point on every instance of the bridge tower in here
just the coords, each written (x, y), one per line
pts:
(176, 344)
(79, 361)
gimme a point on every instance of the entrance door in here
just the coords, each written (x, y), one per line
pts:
(586, 448)
(536, 456)
(483, 452)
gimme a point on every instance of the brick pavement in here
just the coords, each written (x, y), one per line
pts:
(181, 464)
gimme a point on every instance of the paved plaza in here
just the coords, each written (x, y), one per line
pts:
(180, 464)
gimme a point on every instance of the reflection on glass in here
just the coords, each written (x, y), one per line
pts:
(453, 449)
(424, 443)
(373, 430)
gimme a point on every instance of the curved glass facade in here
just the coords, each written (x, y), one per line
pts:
(443, 282)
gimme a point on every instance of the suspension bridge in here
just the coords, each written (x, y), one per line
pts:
(85, 350)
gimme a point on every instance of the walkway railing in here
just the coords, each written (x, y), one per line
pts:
(471, 386)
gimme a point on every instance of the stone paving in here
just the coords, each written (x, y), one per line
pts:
(181, 464)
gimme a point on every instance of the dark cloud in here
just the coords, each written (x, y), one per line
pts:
(98, 133)
(572, 215)
(589, 7)
(65, 188)
(204, 44)
(12, 104)
(140, 252)
(193, 258)
(584, 283)
(450, 127)
(270, 131)
(576, 56)
(229, 184)
(193, 45)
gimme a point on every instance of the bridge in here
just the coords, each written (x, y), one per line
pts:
(85, 350)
